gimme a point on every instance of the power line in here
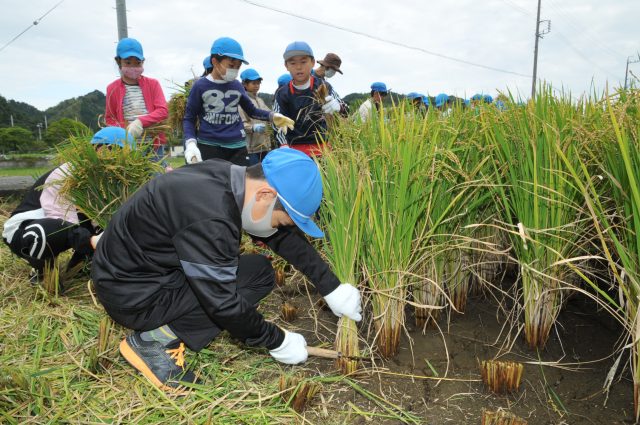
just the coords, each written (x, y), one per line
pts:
(384, 40)
(36, 22)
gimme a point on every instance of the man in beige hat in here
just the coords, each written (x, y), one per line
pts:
(328, 66)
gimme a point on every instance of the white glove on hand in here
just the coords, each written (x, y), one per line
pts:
(345, 300)
(259, 128)
(282, 122)
(293, 349)
(191, 152)
(94, 240)
(331, 105)
(135, 128)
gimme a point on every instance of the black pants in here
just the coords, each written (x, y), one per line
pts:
(41, 240)
(238, 156)
(180, 309)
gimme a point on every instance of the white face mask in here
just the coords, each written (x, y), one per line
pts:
(262, 227)
(330, 72)
(230, 74)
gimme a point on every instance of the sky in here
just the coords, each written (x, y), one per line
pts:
(70, 52)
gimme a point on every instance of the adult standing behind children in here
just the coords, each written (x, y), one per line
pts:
(214, 101)
(298, 100)
(258, 142)
(328, 68)
(135, 102)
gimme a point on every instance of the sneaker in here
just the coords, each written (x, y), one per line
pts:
(163, 366)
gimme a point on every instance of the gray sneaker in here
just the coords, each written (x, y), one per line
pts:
(162, 365)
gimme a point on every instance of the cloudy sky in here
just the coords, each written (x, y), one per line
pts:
(70, 52)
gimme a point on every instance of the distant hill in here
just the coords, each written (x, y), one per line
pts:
(85, 109)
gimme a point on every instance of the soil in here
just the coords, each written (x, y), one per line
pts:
(561, 384)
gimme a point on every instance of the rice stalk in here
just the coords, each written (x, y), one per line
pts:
(501, 417)
(297, 391)
(501, 377)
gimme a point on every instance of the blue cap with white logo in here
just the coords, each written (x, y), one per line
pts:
(113, 136)
(284, 79)
(379, 87)
(250, 74)
(297, 48)
(129, 47)
(297, 180)
(225, 46)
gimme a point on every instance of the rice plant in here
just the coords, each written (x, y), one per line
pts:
(100, 180)
(542, 207)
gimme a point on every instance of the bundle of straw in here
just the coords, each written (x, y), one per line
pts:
(101, 180)
(501, 377)
(501, 417)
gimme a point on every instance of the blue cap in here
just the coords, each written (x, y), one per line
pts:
(207, 62)
(297, 48)
(113, 136)
(414, 95)
(487, 98)
(477, 96)
(467, 102)
(441, 99)
(426, 100)
(297, 180)
(284, 79)
(226, 46)
(129, 47)
(379, 87)
(250, 74)
(500, 105)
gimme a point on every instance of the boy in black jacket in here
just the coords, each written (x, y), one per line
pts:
(169, 266)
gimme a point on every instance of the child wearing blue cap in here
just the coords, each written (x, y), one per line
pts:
(134, 101)
(298, 100)
(258, 141)
(214, 102)
(180, 279)
(378, 92)
(46, 223)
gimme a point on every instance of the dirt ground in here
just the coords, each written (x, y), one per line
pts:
(562, 384)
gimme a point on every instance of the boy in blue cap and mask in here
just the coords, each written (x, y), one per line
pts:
(175, 274)
(46, 223)
(214, 101)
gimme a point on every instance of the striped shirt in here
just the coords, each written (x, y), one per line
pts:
(133, 103)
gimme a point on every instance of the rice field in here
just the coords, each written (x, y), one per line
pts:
(488, 244)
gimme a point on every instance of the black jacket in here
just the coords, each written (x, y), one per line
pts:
(184, 228)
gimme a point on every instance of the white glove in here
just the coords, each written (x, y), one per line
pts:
(331, 105)
(94, 240)
(282, 122)
(135, 128)
(191, 152)
(293, 349)
(345, 300)
(258, 128)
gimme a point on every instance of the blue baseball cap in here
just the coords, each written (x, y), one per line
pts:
(207, 62)
(426, 100)
(225, 46)
(487, 98)
(414, 95)
(297, 48)
(379, 87)
(441, 99)
(250, 74)
(284, 79)
(297, 180)
(476, 96)
(113, 136)
(129, 47)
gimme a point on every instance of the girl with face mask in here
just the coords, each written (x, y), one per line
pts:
(214, 102)
(134, 101)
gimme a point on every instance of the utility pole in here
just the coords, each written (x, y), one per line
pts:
(121, 11)
(11, 120)
(39, 125)
(535, 50)
(46, 125)
(626, 71)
